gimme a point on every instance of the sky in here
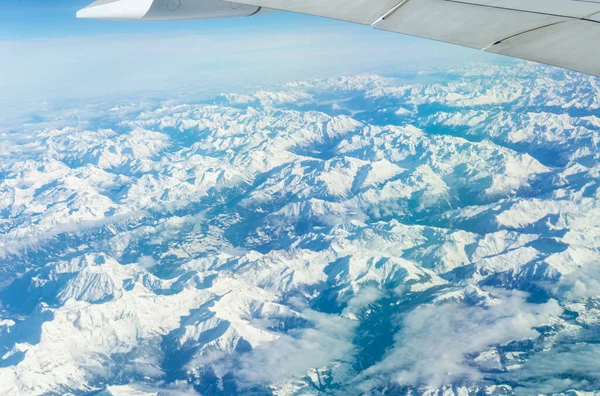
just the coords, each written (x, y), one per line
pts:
(49, 57)
(51, 19)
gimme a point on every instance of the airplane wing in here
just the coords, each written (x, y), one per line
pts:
(563, 33)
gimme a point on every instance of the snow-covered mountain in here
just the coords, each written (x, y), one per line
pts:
(434, 234)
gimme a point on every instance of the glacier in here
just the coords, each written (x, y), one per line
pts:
(433, 233)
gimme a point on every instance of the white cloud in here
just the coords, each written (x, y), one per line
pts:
(432, 347)
(292, 355)
(581, 284)
(564, 368)
(16, 247)
(365, 296)
(146, 262)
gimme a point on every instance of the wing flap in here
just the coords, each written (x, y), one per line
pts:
(564, 35)
(566, 8)
(594, 17)
(570, 45)
(465, 24)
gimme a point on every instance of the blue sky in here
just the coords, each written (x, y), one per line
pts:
(56, 18)
(48, 56)
(38, 18)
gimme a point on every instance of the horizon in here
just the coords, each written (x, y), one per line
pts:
(53, 57)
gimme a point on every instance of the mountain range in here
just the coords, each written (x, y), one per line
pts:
(434, 233)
